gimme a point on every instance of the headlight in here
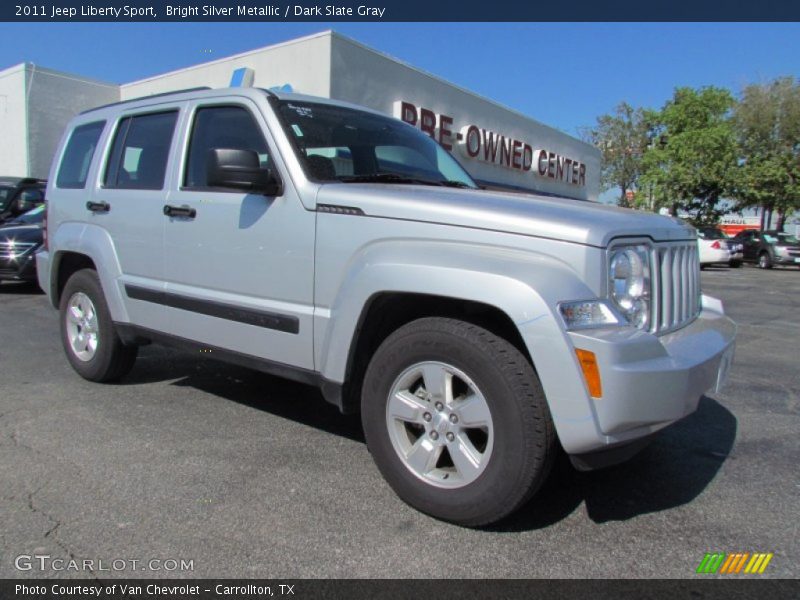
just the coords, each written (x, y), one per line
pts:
(583, 314)
(629, 283)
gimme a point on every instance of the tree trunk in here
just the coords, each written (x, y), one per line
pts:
(763, 215)
(781, 219)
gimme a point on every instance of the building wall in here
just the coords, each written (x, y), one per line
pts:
(364, 76)
(14, 144)
(328, 65)
(304, 63)
(53, 99)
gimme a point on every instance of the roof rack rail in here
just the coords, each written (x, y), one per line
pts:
(194, 89)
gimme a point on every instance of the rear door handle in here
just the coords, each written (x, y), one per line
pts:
(180, 211)
(98, 207)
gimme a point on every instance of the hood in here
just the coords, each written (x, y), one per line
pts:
(576, 221)
(22, 233)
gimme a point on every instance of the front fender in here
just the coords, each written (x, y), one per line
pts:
(526, 286)
(95, 243)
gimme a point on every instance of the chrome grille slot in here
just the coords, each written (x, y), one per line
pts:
(677, 286)
(9, 251)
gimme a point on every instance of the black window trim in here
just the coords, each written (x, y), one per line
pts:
(187, 142)
(103, 123)
(129, 116)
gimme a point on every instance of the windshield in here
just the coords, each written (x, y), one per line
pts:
(711, 234)
(32, 216)
(343, 144)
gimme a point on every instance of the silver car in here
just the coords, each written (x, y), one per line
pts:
(475, 331)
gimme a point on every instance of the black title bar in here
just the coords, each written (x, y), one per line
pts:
(699, 588)
(399, 10)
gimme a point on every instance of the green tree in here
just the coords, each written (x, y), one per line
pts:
(692, 161)
(767, 120)
(622, 139)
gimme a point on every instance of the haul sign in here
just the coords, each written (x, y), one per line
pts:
(478, 143)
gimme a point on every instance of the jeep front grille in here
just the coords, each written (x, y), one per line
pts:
(677, 286)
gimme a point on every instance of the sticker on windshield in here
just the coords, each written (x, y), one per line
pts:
(303, 111)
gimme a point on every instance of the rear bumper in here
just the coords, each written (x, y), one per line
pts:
(715, 257)
(649, 381)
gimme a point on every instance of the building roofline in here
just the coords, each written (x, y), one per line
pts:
(444, 81)
(64, 74)
(13, 69)
(244, 54)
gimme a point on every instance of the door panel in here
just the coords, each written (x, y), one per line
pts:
(128, 204)
(239, 272)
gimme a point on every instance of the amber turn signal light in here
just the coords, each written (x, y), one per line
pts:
(591, 372)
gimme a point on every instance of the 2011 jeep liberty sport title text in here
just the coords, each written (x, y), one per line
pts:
(475, 331)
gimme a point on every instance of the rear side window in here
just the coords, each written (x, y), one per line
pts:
(139, 155)
(78, 155)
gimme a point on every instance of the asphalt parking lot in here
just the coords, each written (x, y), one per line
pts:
(251, 476)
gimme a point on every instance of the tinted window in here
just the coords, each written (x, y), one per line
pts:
(35, 195)
(141, 148)
(5, 196)
(710, 233)
(221, 127)
(78, 155)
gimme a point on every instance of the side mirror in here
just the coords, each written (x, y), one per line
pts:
(241, 170)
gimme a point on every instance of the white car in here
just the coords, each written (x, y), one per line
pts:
(714, 248)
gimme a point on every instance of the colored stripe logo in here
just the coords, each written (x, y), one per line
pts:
(734, 564)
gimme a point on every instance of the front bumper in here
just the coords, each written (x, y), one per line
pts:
(649, 381)
(784, 259)
(19, 269)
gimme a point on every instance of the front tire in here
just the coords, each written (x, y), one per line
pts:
(90, 340)
(764, 261)
(456, 420)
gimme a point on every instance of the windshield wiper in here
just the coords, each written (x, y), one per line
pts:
(386, 178)
(456, 184)
(396, 178)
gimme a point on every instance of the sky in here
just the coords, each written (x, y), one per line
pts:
(562, 74)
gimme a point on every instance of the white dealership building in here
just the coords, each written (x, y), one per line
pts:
(499, 146)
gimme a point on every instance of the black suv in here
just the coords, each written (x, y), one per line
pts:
(768, 248)
(18, 195)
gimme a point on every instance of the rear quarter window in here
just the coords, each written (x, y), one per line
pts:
(77, 159)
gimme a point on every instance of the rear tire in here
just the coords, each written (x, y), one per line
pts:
(484, 436)
(90, 340)
(764, 261)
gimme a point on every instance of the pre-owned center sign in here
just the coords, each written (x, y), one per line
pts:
(478, 143)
